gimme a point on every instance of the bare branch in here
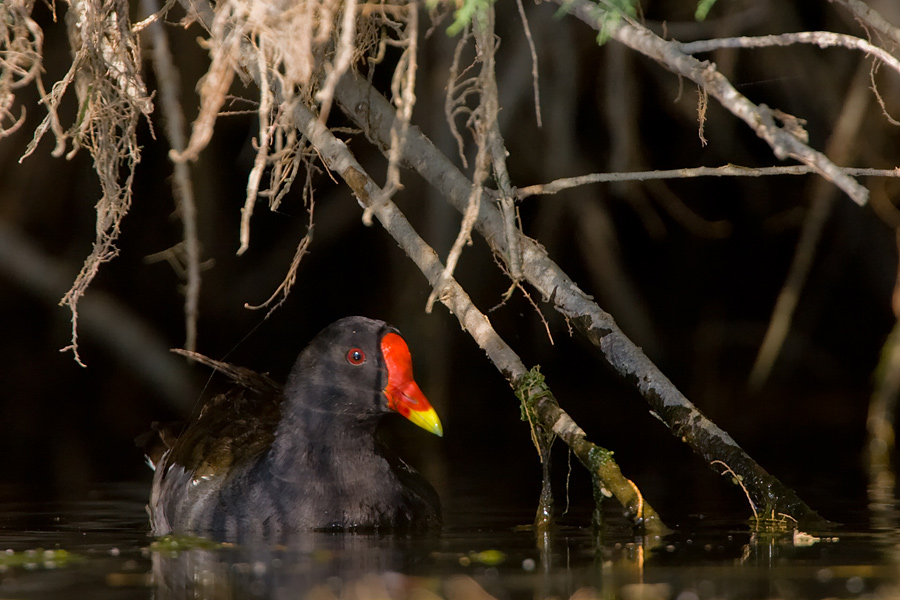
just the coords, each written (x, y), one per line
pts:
(558, 185)
(403, 87)
(535, 78)
(346, 47)
(760, 118)
(154, 16)
(167, 78)
(822, 39)
(872, 18)
(338, 158)
(666, 401)
(487, 49)
(266, 129)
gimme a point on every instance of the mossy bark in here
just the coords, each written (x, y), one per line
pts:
(540, 408)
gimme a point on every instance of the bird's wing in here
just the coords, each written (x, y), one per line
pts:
(232, 427)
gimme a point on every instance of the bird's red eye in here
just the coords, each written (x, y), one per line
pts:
(356, 356)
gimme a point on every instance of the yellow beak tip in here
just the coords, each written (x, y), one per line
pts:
(427, 420)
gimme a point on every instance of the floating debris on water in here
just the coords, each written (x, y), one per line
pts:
(36, 558)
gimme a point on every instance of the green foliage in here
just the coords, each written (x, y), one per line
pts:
(598, 456)
(529, 388)
(703, 8)
(465, 14)
(608, 13)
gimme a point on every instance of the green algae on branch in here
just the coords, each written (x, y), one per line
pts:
(543, 413)
(529, 389)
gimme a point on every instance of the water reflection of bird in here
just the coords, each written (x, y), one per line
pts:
(262, 459)
(311, 565)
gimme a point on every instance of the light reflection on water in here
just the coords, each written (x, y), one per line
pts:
(478, 555)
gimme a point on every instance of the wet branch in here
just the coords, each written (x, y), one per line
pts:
(371, 111)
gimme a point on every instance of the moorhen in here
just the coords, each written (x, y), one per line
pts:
(265, 459)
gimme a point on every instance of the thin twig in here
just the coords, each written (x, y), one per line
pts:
(739, 482)
(167, 79)
(289, 280)
(872, 18)
(403, 87)
(760, 118)
(673, 408)
(487, 48)
(344, 55)
(339, 159)
(822, 39)
(266, 129)
(154, 17)
(483, 119)
(535, 78)
(470, 215)
(558, 185)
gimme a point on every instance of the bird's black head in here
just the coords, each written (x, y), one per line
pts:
(357, 369)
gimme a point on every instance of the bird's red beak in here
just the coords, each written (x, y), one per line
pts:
(402, 391)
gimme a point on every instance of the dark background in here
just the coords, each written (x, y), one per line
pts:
(689, 268)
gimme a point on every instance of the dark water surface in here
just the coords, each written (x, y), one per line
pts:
(96, 545)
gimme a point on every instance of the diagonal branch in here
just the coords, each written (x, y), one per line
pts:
(372, 112)
(338, 158)
(760, 118)
(869, 17)
(375, 115)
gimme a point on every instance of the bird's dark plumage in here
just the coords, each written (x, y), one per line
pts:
(266, 459)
